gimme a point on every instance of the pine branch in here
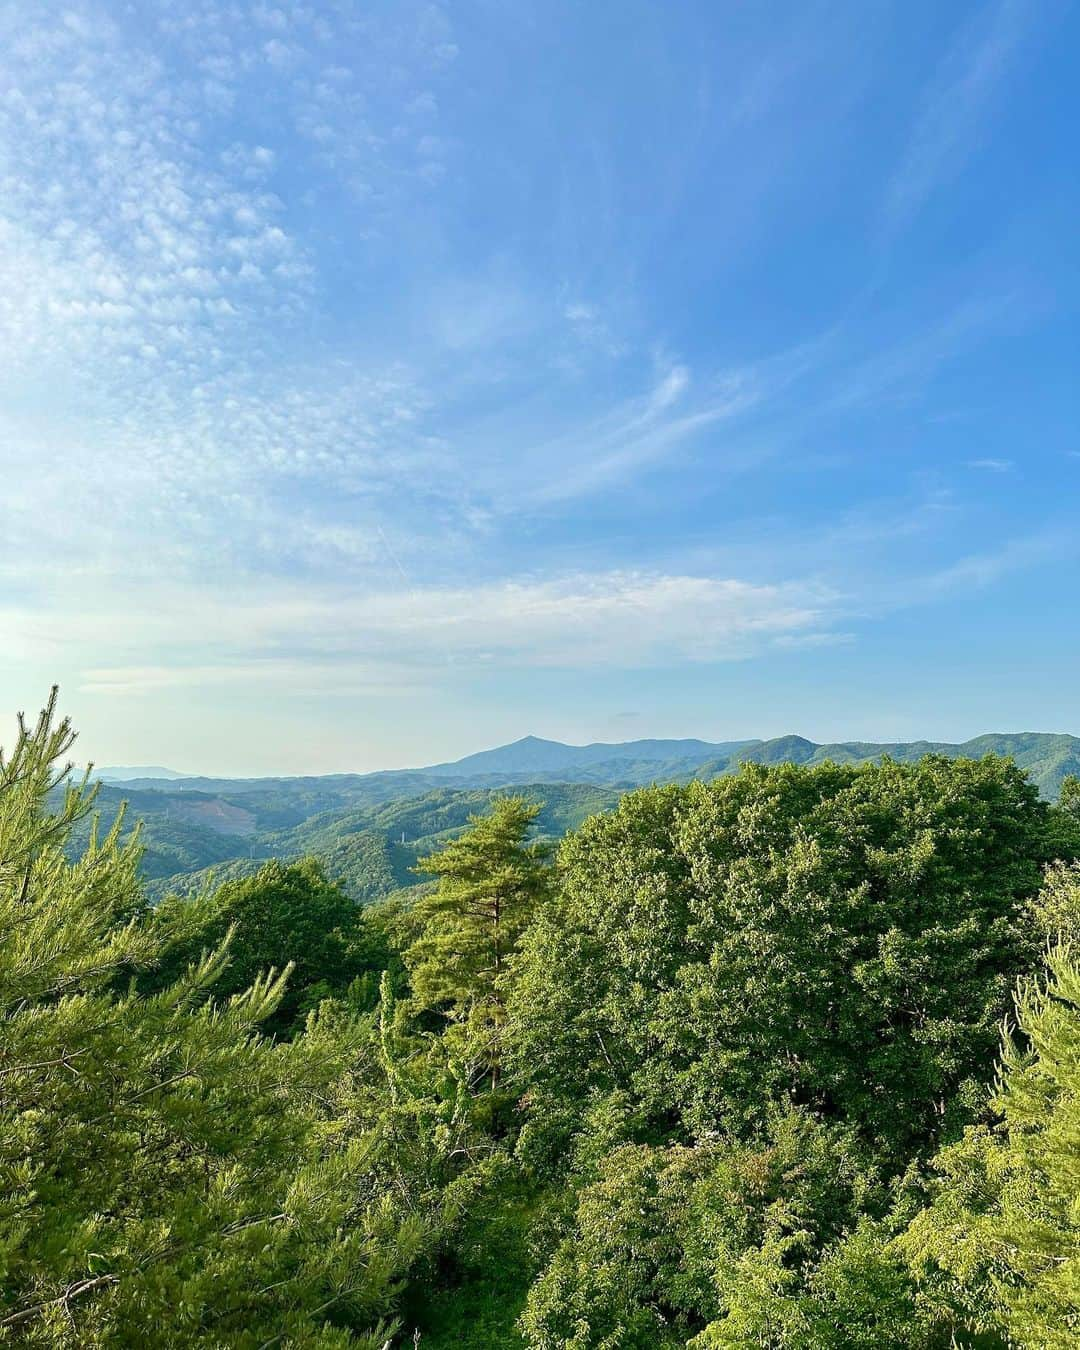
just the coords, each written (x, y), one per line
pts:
(72, 1292)
(64, 1059)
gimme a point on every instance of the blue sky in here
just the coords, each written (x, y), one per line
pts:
(383, 381)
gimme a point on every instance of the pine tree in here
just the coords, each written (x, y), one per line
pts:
(169, 1175)
(1000, 1242)
(1039, 1225)
(490, 881)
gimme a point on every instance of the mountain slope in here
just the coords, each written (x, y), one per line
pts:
(369, 829)
(372, 852)
(533, 755)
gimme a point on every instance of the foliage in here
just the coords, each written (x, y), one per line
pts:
(721, 1077)
(485, 1274)
(1004, 1224)
(286, 912)
(842, 937)
(490, 881)
(288, 814)
(169, 845)
(165, 1165)
(1069, 799)
(370, 851)
(671, 1241)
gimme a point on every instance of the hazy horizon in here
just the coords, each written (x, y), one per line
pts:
(379, 382)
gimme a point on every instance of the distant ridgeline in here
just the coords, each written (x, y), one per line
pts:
(368, 829)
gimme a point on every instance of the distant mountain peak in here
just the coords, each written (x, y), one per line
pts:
(783, 750)
(126, 773)
(534, 754)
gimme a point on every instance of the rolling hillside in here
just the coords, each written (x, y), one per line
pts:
(369, 829)
(372, 852)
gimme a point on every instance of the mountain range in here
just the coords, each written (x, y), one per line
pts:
(121, 774)
(1046, 757)
(369, 830)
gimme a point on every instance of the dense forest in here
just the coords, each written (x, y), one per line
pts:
(785, 1058)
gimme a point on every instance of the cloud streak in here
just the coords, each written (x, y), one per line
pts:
(578, 621)
(949, 122)
(637, 434)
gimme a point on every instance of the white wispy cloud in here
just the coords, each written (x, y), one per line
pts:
(578, 621)
(152, 274)
(637, 432)
(977, 570)
(153, 279)
(301, 638)
(123, 249)
(901, 369)
(950, 121)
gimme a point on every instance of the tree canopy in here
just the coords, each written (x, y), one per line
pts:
(844, 938)
(168, 1169)
(287, 913)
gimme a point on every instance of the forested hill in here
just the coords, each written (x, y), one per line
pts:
(368, 830)
(1046, 758)
(197, 838)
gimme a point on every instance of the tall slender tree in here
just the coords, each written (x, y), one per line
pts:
(490, 881)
